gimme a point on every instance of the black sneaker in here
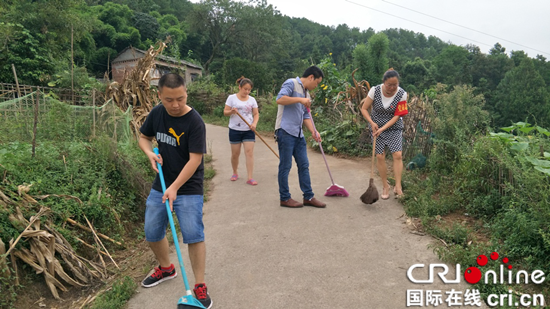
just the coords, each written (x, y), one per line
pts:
(201, 293)
(159, 276)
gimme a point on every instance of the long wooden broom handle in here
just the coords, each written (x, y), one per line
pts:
(257, 134)
(372, 164)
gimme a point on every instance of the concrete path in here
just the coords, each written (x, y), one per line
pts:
(261, 255)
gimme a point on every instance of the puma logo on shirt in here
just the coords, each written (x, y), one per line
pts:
(167, 139)
(171, 131)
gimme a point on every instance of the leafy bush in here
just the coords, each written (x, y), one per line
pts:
(218, 111)
(328, 101)
(7, 288)
(116, 297)
(343, 137)
(501, 178)
(460, 118)
(267, 107)
(106, 177)
(204, 95)
(237, 67)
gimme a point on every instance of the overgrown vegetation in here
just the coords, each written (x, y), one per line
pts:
(79, 170)
(81, 165)
(494, 185)
(100, 173)
(117, 296)
(106, 180)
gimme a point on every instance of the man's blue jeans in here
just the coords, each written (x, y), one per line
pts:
(293, 146)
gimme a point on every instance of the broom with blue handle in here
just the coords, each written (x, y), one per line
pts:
(186, 301)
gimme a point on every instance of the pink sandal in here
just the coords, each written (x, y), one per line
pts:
(252, 182)
(234, 177)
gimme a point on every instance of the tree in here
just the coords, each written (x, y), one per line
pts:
(543, 67)
(116, 15)
(460, 118)
(522, 96)
(342, 41)
(237, 67)
(33, 61)
(416, 76)
(172, 27)
(122, 40)
(360, 60)
(35, 34)
(147, 25)
(453, 66)
(140, 6)
(518, 56)
(218, 20)
(261, 30)
(488, 70)
(179, 8)
(377, 59)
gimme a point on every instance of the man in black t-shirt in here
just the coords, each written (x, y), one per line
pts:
(181, 136)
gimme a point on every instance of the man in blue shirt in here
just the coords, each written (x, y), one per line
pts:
(294, 100)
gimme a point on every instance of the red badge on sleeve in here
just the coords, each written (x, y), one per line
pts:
(401, 109)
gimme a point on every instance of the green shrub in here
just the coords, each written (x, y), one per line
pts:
(199, 106)
(457, 234)
(106, 177)
(235, 68)
(218, 111)
(343, 137)
(460, 118)
(204, 95)
(116, 297)
(7, 288)
(267, 107)
(500, 178)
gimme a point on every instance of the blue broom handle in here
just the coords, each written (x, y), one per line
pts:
(172, 226)
(320, 145)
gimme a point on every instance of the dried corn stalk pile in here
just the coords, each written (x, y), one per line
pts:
(135, 89)
(353, 95)
(45, 250)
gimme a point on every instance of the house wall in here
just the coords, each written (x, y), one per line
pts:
(120, 67)
(191, 74)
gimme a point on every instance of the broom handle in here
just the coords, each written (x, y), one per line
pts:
(257, 134)
(320, 146)
(372, 164)
(172, 227)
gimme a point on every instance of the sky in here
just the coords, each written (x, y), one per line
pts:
(516, 25)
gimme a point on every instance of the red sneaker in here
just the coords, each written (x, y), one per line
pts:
(201, 293)
(159, 276)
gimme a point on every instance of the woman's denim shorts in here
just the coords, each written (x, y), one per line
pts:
(237, 137)
(188, 209)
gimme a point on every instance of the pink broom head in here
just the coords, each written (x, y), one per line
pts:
(336, 190)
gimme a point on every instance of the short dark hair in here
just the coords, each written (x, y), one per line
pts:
(315, 71)
(390, 74)
(171, 80)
